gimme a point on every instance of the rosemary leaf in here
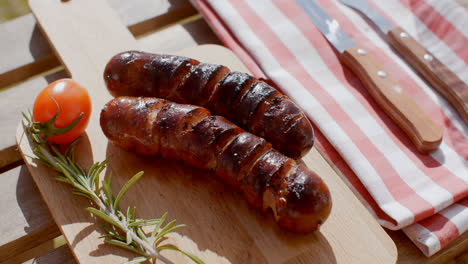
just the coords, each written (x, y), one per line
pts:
(62, 179)
(107, 189)
(158, 225)
(167, 229)
(82, 194)
(136, 260)
(129, 216)
(124, 245)
(114, 234)
(26, 117)
(191, 256)
(103, 216)
(58, 154)
(141, 234)
(67, 175)
(126, 187)
(145, 222)
(133, 214)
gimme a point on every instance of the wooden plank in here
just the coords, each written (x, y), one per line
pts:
(29, 53)
(13, 101)
(61, 255)
(39, 250)
(27, 50)
(26, 221)
(179, 37)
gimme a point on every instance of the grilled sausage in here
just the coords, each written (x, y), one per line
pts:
(299, 199)
(252, 104)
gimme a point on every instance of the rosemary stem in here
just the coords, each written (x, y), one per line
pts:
(78, 179)
(151, 251)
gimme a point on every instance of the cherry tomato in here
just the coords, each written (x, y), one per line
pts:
(72, 100)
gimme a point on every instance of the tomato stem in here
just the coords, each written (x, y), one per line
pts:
(49, 129)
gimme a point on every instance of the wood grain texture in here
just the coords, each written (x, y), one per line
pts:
(26, 221)
(222, 227)
(393, 100)
(29, 53)
(435, 72)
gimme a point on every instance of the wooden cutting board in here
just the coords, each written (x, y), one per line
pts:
(221, 227)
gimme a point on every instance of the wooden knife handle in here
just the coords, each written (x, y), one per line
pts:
(393, 99)
(435, 72)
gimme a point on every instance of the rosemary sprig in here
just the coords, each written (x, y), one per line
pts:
(122, 229)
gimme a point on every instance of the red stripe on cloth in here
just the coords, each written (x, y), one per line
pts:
(444, 229)
(228, 38)
(335, 158)
(428, 165)
(397, 187)
(439, 26)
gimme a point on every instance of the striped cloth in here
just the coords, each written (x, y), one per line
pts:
(425, 195)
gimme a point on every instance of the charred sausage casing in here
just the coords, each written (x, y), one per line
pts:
(251, 104)
(299, 199)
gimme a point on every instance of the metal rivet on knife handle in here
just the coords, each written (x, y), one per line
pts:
(382, 74)
(404, 35)
(428, 57)
(396, 103)
(361, 52)
(435, 72)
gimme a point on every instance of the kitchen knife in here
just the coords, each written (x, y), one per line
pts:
(434, 71)
(393, 99)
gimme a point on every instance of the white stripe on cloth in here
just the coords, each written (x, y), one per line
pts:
(458, 214)
(302, 97)
(311, 61)
(424, 239)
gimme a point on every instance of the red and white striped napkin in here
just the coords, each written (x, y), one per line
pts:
(425, 195)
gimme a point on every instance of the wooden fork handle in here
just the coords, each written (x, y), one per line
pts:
(435, 72)
(393, 99)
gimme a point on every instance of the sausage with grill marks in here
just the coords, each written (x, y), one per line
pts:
(299, 199)
(248, 102)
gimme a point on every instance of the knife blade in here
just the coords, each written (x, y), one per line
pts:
(435, 72)
(392, 98)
